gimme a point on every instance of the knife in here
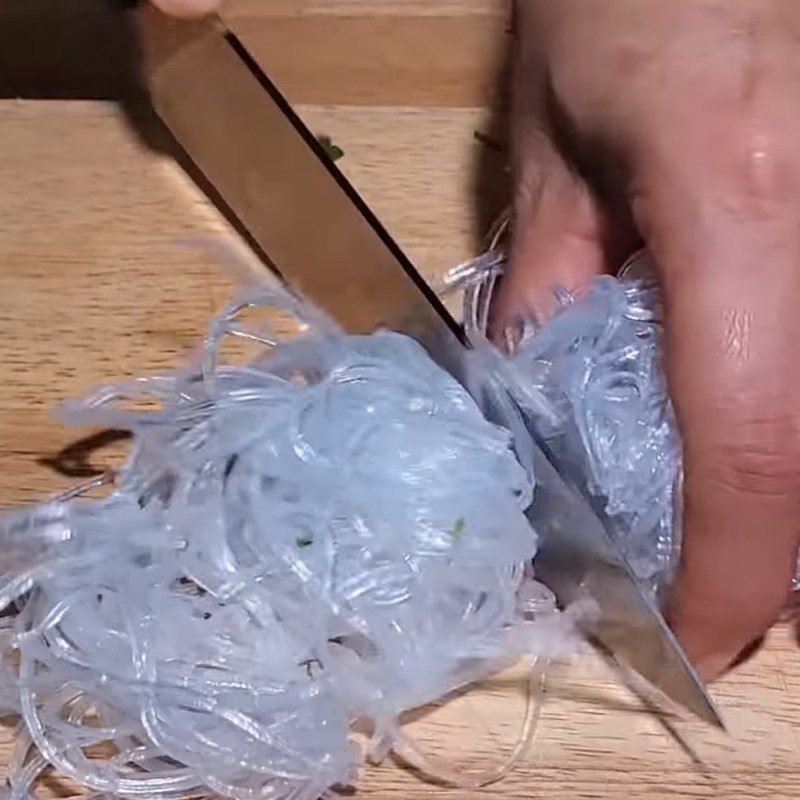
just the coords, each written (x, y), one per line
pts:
(264, 169)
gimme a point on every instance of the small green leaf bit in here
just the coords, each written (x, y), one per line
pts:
(333, 151)
(459, 529)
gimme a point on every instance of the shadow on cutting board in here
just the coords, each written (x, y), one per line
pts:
(90, 50)
(76, 50)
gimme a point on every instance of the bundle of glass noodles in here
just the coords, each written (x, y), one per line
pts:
(592, 383)
(324, 537)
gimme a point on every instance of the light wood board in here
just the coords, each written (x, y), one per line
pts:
(109, 269)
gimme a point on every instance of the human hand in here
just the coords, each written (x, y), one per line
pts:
(187, 8)
(677, 124)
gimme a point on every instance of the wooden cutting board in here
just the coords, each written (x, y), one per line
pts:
(110, 266)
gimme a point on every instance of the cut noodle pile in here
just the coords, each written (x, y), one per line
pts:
(599, 363)
(330, 535)
(591, 383)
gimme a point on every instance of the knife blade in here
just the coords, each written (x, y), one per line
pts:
(307, 222)
(576, 559)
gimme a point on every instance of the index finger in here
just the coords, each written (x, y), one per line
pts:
(729, 261)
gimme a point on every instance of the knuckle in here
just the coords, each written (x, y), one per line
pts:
(762, 173)
(748, 162)
(758, 456)
(740, 157)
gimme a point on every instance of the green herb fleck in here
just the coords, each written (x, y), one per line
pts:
(333, 151)
(458, 530)
(304, 541)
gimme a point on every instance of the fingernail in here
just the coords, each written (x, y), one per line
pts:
(708, 660)
(511, 336)
(711, 667)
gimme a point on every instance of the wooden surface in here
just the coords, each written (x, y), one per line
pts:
(110, 267)
(378, 52)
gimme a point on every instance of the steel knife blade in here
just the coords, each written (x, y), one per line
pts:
(577, 559)
(265, 168)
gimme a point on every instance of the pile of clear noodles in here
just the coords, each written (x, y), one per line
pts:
(591, 381)
(329, 534)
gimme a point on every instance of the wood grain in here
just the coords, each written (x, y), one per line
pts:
(111, 265)
(388, 53)
(382, 60)
(282, 9)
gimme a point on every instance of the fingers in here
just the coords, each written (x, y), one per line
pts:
(187, 8)
(729, 256)
(716, 186)
(558, 237)
(562, 235)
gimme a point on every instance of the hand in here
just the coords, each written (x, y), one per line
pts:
(187, 8)
(678, 124)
